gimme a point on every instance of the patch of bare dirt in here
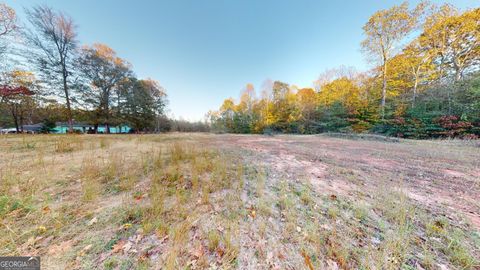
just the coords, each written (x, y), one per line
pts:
(418, 169)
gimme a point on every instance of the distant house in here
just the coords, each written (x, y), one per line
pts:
(62, 127)
(36, 128)
(7, 130)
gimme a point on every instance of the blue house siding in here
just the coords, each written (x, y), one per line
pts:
(84, 129)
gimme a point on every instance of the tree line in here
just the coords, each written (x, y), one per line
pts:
(47, 76)
(424, 82)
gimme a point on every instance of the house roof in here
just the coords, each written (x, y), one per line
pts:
(34, 127)
(75, 124)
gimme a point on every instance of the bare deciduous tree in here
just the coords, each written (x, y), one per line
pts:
(54, 39)
(8, 23)
(332, 74)
(8, 20)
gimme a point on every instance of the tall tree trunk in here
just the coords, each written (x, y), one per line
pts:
(118, 110)
(414, 93)
(449, 101)
(21, 120)
(107, 119)
(458, 70)
(384, 87)
(458, 74)
(67, 97)
(15, 119)
(415, 86)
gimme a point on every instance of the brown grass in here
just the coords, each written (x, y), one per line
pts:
(199, 201)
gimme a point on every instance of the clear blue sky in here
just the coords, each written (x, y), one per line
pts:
(203, 51)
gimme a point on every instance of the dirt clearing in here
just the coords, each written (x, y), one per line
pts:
(201, 201)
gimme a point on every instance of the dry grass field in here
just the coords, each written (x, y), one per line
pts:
(203, 201)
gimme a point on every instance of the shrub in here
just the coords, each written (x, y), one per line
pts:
(454, 127)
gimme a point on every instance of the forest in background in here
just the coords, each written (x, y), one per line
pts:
(225, 201)
(424, 83)
(47, 76)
